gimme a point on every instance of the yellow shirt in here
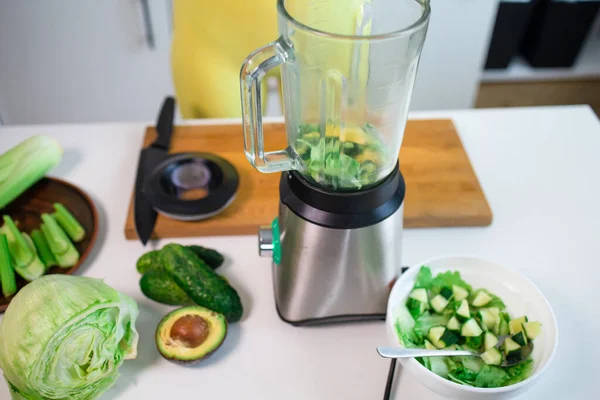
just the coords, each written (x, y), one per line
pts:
(210, 41)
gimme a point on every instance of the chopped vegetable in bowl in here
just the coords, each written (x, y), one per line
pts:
(445, 312)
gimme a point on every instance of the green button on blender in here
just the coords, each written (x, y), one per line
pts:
(276, 241)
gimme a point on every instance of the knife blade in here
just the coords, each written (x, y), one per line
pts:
(144, 214)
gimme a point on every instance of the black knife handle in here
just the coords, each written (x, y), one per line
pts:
(164, 127)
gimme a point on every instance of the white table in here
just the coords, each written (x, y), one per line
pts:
(540, 170)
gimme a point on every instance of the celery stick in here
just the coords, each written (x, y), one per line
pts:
(7, 274)
(36, 264)
(19, 250)
(53, 234)
(56, 237)
(69, 223)
(41, 244)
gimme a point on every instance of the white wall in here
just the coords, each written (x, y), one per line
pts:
(87, 60)
(81, 60)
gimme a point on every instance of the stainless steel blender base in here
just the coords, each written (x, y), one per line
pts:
(335, 275)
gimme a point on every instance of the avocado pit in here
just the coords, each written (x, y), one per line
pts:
(190, 330)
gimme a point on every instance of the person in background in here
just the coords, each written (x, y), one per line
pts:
(210, 41)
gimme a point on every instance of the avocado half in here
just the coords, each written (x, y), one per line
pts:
(190, 334)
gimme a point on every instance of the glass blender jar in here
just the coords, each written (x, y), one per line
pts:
(348, 69)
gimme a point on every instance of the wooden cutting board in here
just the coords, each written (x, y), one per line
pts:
(442, 189)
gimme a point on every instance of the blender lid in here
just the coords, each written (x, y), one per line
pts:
(192, 186)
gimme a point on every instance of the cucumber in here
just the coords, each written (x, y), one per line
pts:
(429, 345)
(159, 286)
(435, 334)
(459, 292)
(439, 303)
(481, 298)
(471, 328)
(510, 345)
(211, 257)
(492, 356)
(416, 308)
(446, 293)
(453, 324)
(463, 313)
(419, 295)
(532, 329)
(516, 325)
(489, 340)
(503, 328)
(488, 318)
(447, 339)
(200, 282)
(520, 338)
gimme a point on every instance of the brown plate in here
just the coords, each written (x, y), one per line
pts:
(38, 199)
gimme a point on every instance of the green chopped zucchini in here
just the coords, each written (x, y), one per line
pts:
(446, 293)
(510, 345)
(463, 313)
(520, 338)
(489, 340)
(459, 292)
(481, 298)
(532, 329)
(435, 334)
(419, 295)
(471, 328)
(439, 303)
(492, 356)
(416, 307)
(488, 318)
(447, 339)
(516, 325)
(429, 345)
(453, 324)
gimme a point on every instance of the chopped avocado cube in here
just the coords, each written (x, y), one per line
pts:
(481, 298)
(532, 329)
(520, 338)
(419, 295)
(492, 356)
(510, 345)
(447, 339)
(471, 328)
(453, 324)
(435, 334)
(439, 303)
(429, 346)
(463, 312)
(459, 292)
(446, 292)
(489, 340)
(516, 325)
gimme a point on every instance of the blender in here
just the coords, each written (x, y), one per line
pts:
(348, 69)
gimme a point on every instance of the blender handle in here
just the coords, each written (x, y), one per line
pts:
(254, 68)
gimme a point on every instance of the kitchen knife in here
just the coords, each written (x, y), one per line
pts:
(150, 157)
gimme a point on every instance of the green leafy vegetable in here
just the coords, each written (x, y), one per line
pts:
(7, 274)
(423, 278)
(69, 223)
(64, 337)
(405, 327)
(447, 279)
(25, 164)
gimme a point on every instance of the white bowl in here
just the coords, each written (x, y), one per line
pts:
(519, 294)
